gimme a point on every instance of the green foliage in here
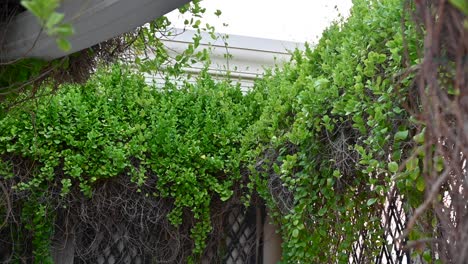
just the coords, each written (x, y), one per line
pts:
(187, 139)
(150, 38)
(51, 20)
(461, 5)
(18, 74)
(325, 137)
(335, 121)
(90, 133)
(41, 225)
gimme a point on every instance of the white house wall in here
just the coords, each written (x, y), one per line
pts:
(245, 58)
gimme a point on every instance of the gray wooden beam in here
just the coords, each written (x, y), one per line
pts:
(94, 21)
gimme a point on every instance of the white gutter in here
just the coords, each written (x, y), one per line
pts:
(94, 21)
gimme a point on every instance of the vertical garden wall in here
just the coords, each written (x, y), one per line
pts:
(368, 122)
(333, 133)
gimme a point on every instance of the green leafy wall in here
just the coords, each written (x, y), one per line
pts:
(322, 140)
(187, 140)
(334, 130)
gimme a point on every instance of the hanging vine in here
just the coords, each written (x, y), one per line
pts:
(324, 140)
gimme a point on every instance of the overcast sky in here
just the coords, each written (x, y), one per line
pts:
(293, 20)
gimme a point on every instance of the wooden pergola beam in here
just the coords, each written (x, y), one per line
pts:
(94, 21)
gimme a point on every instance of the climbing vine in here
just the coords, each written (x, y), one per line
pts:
(22, 78)
(324, 140)
(334, 131)
(188, 138)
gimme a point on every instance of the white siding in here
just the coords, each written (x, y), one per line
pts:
(247, 60)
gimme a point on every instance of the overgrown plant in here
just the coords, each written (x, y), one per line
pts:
(185, 140)
(328, 139)
(21, 79)
(333, 132)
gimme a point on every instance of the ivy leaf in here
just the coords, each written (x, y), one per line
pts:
(54, 19)
(295, 233)
(371, 201)
(63, 44)
(32, 7)
(420, 184)
(322, 211)
(419, 138)
(439, 164)
(415, 173)
(401, 135)
(393, 167)
(412, 164)
(336, 174)
(63, 30)
(42, 9)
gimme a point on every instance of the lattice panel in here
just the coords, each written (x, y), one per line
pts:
(393, 224)
(241, 239)
(358, 248)
(243, 243)
(118, 253)
(116, 250)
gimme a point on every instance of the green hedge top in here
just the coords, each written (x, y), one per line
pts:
(187, 139)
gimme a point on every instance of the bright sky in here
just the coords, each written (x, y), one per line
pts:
(293, 20)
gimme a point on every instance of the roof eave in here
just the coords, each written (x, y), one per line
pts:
(94, 21)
